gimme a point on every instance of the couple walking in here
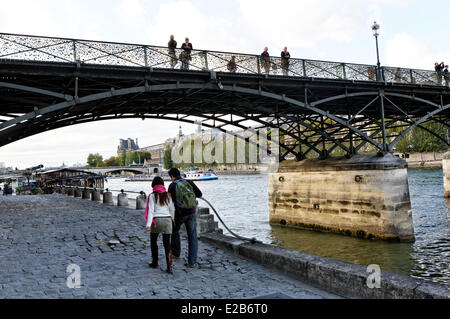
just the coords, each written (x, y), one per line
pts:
(166, 212)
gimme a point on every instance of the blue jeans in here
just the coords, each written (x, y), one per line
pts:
(191, 227)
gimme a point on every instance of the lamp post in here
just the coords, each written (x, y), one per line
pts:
(376, 33)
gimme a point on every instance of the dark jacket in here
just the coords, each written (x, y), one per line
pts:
(232, 66)
(439, 67)
(173, 192)
(187, 49)
(285, 56)
(172, 45)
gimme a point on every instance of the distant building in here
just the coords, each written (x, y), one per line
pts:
(128, 145)
(2, 165)
(157, 153)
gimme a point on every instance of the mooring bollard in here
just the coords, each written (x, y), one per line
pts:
(141, 201)
(70, 192)
(122, 199)
(86, 194)
(108, 198)
(78, 193)
(95, 195)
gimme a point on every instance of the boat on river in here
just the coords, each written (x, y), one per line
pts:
(195, 174)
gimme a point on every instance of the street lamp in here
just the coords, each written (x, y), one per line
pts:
(376, 33)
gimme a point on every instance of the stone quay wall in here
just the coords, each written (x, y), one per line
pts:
(344, 279)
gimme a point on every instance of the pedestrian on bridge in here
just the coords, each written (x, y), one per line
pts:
(172, 47)
(285, 60)
(184, 194)
(446, 76)
(185, 56)
(265, 60)
(232, 66)
(439, 68)
(160, 214)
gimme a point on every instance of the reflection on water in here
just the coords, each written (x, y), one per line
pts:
(243, 203)
(390, 256)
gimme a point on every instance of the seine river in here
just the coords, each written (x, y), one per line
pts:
(242, 202)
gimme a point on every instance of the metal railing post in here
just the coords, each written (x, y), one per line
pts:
(258, 63)
(75, 51)
(206, 60)
(145, 56)
(344, 71)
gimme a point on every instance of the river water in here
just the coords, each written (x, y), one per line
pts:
(243, 201)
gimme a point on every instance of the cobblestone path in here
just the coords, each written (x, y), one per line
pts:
(42, 235)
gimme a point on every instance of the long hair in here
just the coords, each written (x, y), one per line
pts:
(163, 198)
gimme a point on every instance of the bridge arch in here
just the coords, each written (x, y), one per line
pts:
(32, 123)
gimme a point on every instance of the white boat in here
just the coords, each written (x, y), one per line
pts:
(196, 175)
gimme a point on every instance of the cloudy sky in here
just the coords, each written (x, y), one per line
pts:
(414, 34)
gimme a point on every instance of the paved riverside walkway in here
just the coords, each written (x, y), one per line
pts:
(42, 235)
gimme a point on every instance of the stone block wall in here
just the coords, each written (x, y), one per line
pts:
(366, 197)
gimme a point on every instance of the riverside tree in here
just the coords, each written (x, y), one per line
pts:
(95, 160)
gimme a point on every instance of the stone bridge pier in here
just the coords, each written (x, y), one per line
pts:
(366, 196)
(446, 167)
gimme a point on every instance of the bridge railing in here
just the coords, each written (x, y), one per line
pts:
(64, 50)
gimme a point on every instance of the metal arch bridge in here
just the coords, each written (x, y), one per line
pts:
(111, 170)
(49, 83)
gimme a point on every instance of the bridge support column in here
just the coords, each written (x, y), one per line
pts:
(70, 192)
(446, 167)
(366, 196)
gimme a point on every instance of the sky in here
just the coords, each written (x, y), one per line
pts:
(413, 34)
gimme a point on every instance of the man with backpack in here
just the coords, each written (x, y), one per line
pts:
(184, 195)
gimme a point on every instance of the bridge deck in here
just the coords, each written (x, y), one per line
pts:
(49, 83)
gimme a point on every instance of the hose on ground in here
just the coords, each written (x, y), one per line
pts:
(252, 240)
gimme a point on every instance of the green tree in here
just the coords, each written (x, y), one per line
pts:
(168, 163)
(420, 141)
(124, 158)
(113, 161)
(95, 160)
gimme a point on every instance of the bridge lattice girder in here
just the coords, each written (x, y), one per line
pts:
(315, 115)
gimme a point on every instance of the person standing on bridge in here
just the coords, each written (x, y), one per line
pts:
(160, 213)
(285, 60)
(185, 56)
(439, 68)
(446, 76)
(232, 66)
(172, 47)
(265, 60)
(184, 194)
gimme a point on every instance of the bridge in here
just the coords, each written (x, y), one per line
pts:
(117, 170)
(319, 106)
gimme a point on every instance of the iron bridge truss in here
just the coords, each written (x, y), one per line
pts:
(319, 107)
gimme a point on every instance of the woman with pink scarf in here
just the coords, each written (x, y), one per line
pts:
(159, 214)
